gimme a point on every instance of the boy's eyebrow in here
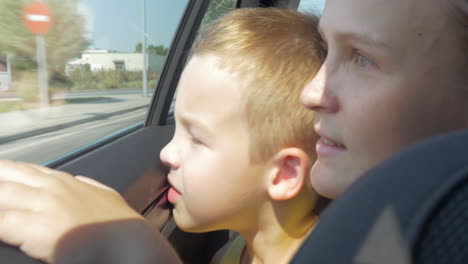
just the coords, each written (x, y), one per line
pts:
(192, 121)
(320, 31)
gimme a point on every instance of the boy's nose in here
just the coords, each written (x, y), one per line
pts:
(317, 96)
(168, 156)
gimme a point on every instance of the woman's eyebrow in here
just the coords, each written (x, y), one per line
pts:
(361, 38)
(365, 39)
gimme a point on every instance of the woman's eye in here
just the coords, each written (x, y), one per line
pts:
(362, 60)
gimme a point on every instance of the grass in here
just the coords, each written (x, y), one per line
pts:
(9, 106)
(86, 80)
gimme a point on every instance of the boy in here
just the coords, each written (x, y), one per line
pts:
(243, 146)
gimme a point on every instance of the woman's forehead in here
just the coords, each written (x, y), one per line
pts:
(401, 25)
(383, 14)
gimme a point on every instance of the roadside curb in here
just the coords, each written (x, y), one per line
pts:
(49, 129)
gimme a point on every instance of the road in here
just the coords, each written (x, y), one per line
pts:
(46, 147)
(97, 93)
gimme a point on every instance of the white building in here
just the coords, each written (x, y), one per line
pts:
(103, 60)
(5, 73)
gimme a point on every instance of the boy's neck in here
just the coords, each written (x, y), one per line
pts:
(279, 235)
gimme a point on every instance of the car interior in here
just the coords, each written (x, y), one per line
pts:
(398, 227)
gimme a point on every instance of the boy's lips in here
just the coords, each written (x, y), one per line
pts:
(173, 194)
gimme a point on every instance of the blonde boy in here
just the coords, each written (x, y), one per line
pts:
(243, 146)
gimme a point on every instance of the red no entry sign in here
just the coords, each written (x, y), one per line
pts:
(37, 17)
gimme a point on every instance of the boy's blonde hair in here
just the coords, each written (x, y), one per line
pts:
(278, 51)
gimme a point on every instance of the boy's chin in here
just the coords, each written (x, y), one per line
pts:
(193, 228)
(187, 225)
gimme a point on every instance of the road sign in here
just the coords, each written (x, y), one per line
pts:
(37, 18)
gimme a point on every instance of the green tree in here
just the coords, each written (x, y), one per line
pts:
(216, 9)
(138, 47)
(87, 67)
(152, 49)
(158, 50)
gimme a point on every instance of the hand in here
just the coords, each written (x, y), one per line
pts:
(39, 205)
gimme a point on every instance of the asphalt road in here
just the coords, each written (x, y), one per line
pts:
(50, 146)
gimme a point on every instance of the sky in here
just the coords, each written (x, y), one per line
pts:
(117, 24)
(312, 5)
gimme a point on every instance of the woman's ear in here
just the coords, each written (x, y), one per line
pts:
(291, 170)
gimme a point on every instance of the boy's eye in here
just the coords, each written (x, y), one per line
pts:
(323, 45)
(362, 60)
(195, 140)
(324, 49)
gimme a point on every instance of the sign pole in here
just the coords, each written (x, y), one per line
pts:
(42, 71)
(9, 69)
(143, 50)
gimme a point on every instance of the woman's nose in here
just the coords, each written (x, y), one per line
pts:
(318, 96)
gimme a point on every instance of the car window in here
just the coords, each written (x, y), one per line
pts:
(314, 6)
(216, 9)
(71, 72)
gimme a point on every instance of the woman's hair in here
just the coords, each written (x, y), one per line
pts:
(278, 51)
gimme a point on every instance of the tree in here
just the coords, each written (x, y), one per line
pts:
(86, 67)
(138, 47)
(152, 49)
(216, 9)
(158, 50)
(64, 41)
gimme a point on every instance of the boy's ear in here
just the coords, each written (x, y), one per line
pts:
(291, 170)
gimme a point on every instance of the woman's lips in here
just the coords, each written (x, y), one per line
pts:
(173, 195)
(325, 149)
